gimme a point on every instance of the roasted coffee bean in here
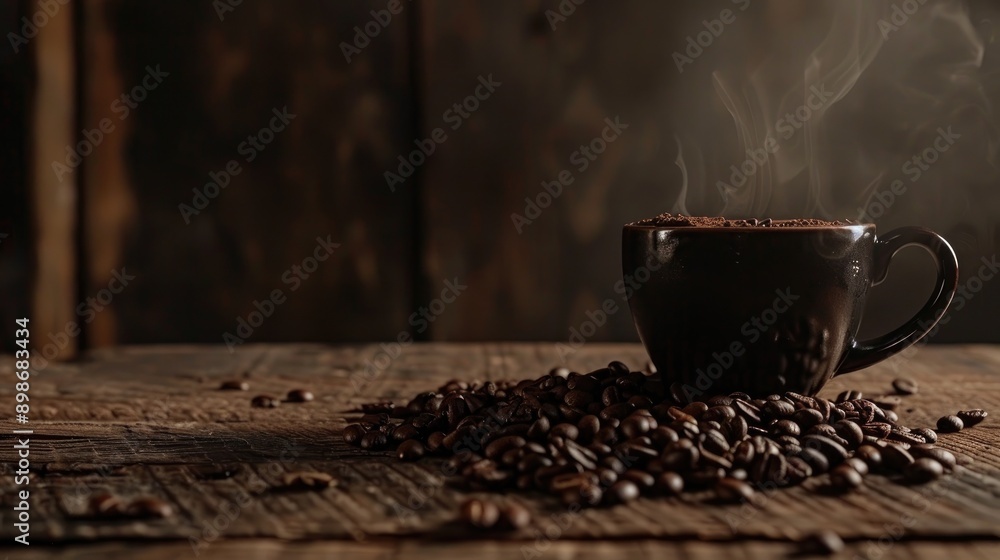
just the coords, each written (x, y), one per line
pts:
(715, 442)
(501, 445)
(749, 411)
(815, 459)
(844, 478)
(950, 424)
(833, 451)
(732, 490)
(669, 483)
(514, 517)
(299, 396)
(880, 430)
(787, 427)
(972, 417)
(106, 505)
(946, 458)
(634, 426)
(697, 409)
(870, 455)
(641, 479)
(719, 414)
(308, 480)
(850, 432)
(777, 409)
(404, 432)
(234, 385)
(578, 399)
(410, 450)
(587, 427)
(559, 372)
(539, 429)
(619, 411)
(264, 401)
(822, 543)
(806, 418)
(481, 514)
(622, 492)
(929, 435)
(435, 442)
(904, 386)
(352, 434)
(565, 431)
(857, 464)
(923, 470)
(374, 440)
(798, 470)
(896, 458)
(848, 396)
(149, 508)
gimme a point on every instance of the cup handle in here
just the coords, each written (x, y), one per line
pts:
(864, 354)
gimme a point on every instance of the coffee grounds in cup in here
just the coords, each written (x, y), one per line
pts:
(671, 220)
(613, 435)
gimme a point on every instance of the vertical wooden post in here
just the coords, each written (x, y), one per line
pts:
(52, 124)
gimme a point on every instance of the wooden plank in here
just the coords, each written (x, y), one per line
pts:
(54, 193)
(319, 178)
(262, 549)
(141, 420)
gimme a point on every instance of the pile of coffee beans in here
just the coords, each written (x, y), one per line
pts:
(612, 435)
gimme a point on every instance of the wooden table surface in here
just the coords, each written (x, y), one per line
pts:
(140, 421)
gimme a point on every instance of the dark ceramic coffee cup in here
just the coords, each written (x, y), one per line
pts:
(768, 310)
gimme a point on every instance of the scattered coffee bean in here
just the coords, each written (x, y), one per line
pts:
(824, 542)
(410, 450)
(844, 478)
(929, 435)
(299, 396)
(611, 436)
(904, 386)
(106, 505)
(481, 514)
(923, 470)
(621, 492)
(733, 490)
(308, 480)
(265, 401)
(943, 456)
(234, 385)
(514, 517)
(950, 424)
(149, 508)
(972, 417)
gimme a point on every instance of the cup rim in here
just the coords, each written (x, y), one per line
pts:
(744, 229)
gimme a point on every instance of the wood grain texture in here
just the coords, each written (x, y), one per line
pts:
(260, 549)
(151, 421)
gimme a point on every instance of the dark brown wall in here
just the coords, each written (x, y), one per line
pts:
(325, 174)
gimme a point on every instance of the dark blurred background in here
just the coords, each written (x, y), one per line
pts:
(116, 116)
